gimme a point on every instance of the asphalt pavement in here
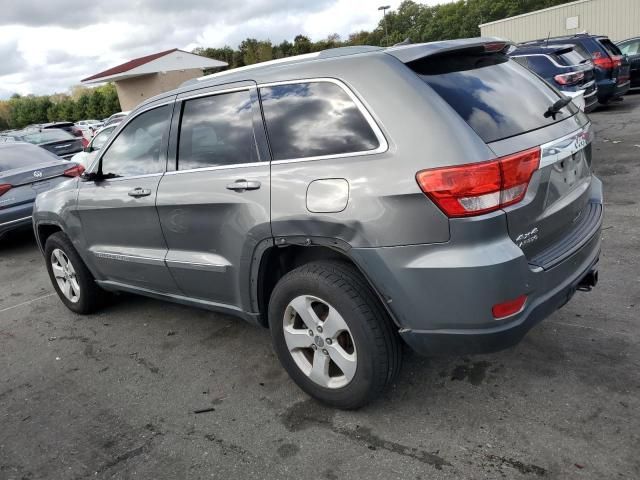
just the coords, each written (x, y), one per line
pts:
(116, 394)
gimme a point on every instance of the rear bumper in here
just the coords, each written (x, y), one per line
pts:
(609, 90)
(441, 295)
(15, 217)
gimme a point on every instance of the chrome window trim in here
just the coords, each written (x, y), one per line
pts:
(563, 147)
(133, 177)
(215, 92)
(17, 220)
(383, 145)
(218, 167)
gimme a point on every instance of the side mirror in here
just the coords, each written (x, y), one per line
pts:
(87, 149)
(90, 176)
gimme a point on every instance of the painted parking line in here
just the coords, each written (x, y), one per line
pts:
(27, 302)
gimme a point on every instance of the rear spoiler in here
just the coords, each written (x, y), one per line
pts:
(410, 53)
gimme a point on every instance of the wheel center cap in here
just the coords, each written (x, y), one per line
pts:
(318, 341)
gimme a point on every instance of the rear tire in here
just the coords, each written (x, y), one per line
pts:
(70, 277)
(346, 350)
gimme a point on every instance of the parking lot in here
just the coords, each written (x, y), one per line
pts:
(117, 394)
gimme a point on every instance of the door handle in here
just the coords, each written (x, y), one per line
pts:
(139, 192)
(242, 185)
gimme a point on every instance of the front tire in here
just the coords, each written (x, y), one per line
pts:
(332, 335)
(70, 277)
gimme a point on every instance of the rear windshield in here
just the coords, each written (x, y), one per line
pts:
(498, 98)
(46, 136)
(571, 57)
(23, 156)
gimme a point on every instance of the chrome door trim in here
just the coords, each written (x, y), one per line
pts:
(210, 267)
(129, 258)
(383, 145)
(561, 148)
(17, 220)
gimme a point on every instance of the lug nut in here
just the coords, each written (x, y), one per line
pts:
(314, 347)
(319, 329)
(325, 351)
(311, 332)
(328, 341)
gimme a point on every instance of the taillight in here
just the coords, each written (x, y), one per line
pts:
(604, 62)
(74, 171)
(508, 308)
(477, 188)
(492, 47)
(85, 142)
(4, 188)
(569, 78)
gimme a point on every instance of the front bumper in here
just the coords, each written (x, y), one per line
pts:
(441, 295)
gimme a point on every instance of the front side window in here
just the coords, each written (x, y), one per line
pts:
(314, 119)
(138, 149)
(216, 131)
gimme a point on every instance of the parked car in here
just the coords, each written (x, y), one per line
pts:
(57, 141)
(438, 195)
(25, 171)
(66, 126)
(631, 48)
(564, 67)
(611, 67)
(95, 124)
(86, 157)
(116, 118)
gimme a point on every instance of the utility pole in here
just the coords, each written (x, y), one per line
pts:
(384, 9)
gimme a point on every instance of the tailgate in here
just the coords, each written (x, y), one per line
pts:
(556, 214)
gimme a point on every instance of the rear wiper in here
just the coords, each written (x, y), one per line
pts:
(554, 109)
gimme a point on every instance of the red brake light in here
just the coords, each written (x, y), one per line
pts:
(4, 188)
(603, 62)
(74, 171)
(508, 308)
(494, 47)
(569, 78)
(477, 188)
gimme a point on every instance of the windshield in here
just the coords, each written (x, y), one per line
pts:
(498, 98)
(46, 136)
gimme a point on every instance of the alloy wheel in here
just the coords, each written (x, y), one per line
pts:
(65, 275)
(320, 342)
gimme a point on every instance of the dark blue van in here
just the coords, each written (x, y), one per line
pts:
(611, 67)
(566, 67)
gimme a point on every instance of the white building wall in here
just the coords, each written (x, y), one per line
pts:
(618, 19)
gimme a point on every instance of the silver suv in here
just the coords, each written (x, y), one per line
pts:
(438, 195)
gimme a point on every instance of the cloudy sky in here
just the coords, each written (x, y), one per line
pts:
(48, 46)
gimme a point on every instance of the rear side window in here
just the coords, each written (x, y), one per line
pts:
(216, 131)
(498, 98)
(314, 119)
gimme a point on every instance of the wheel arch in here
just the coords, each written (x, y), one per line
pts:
(274, 259)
